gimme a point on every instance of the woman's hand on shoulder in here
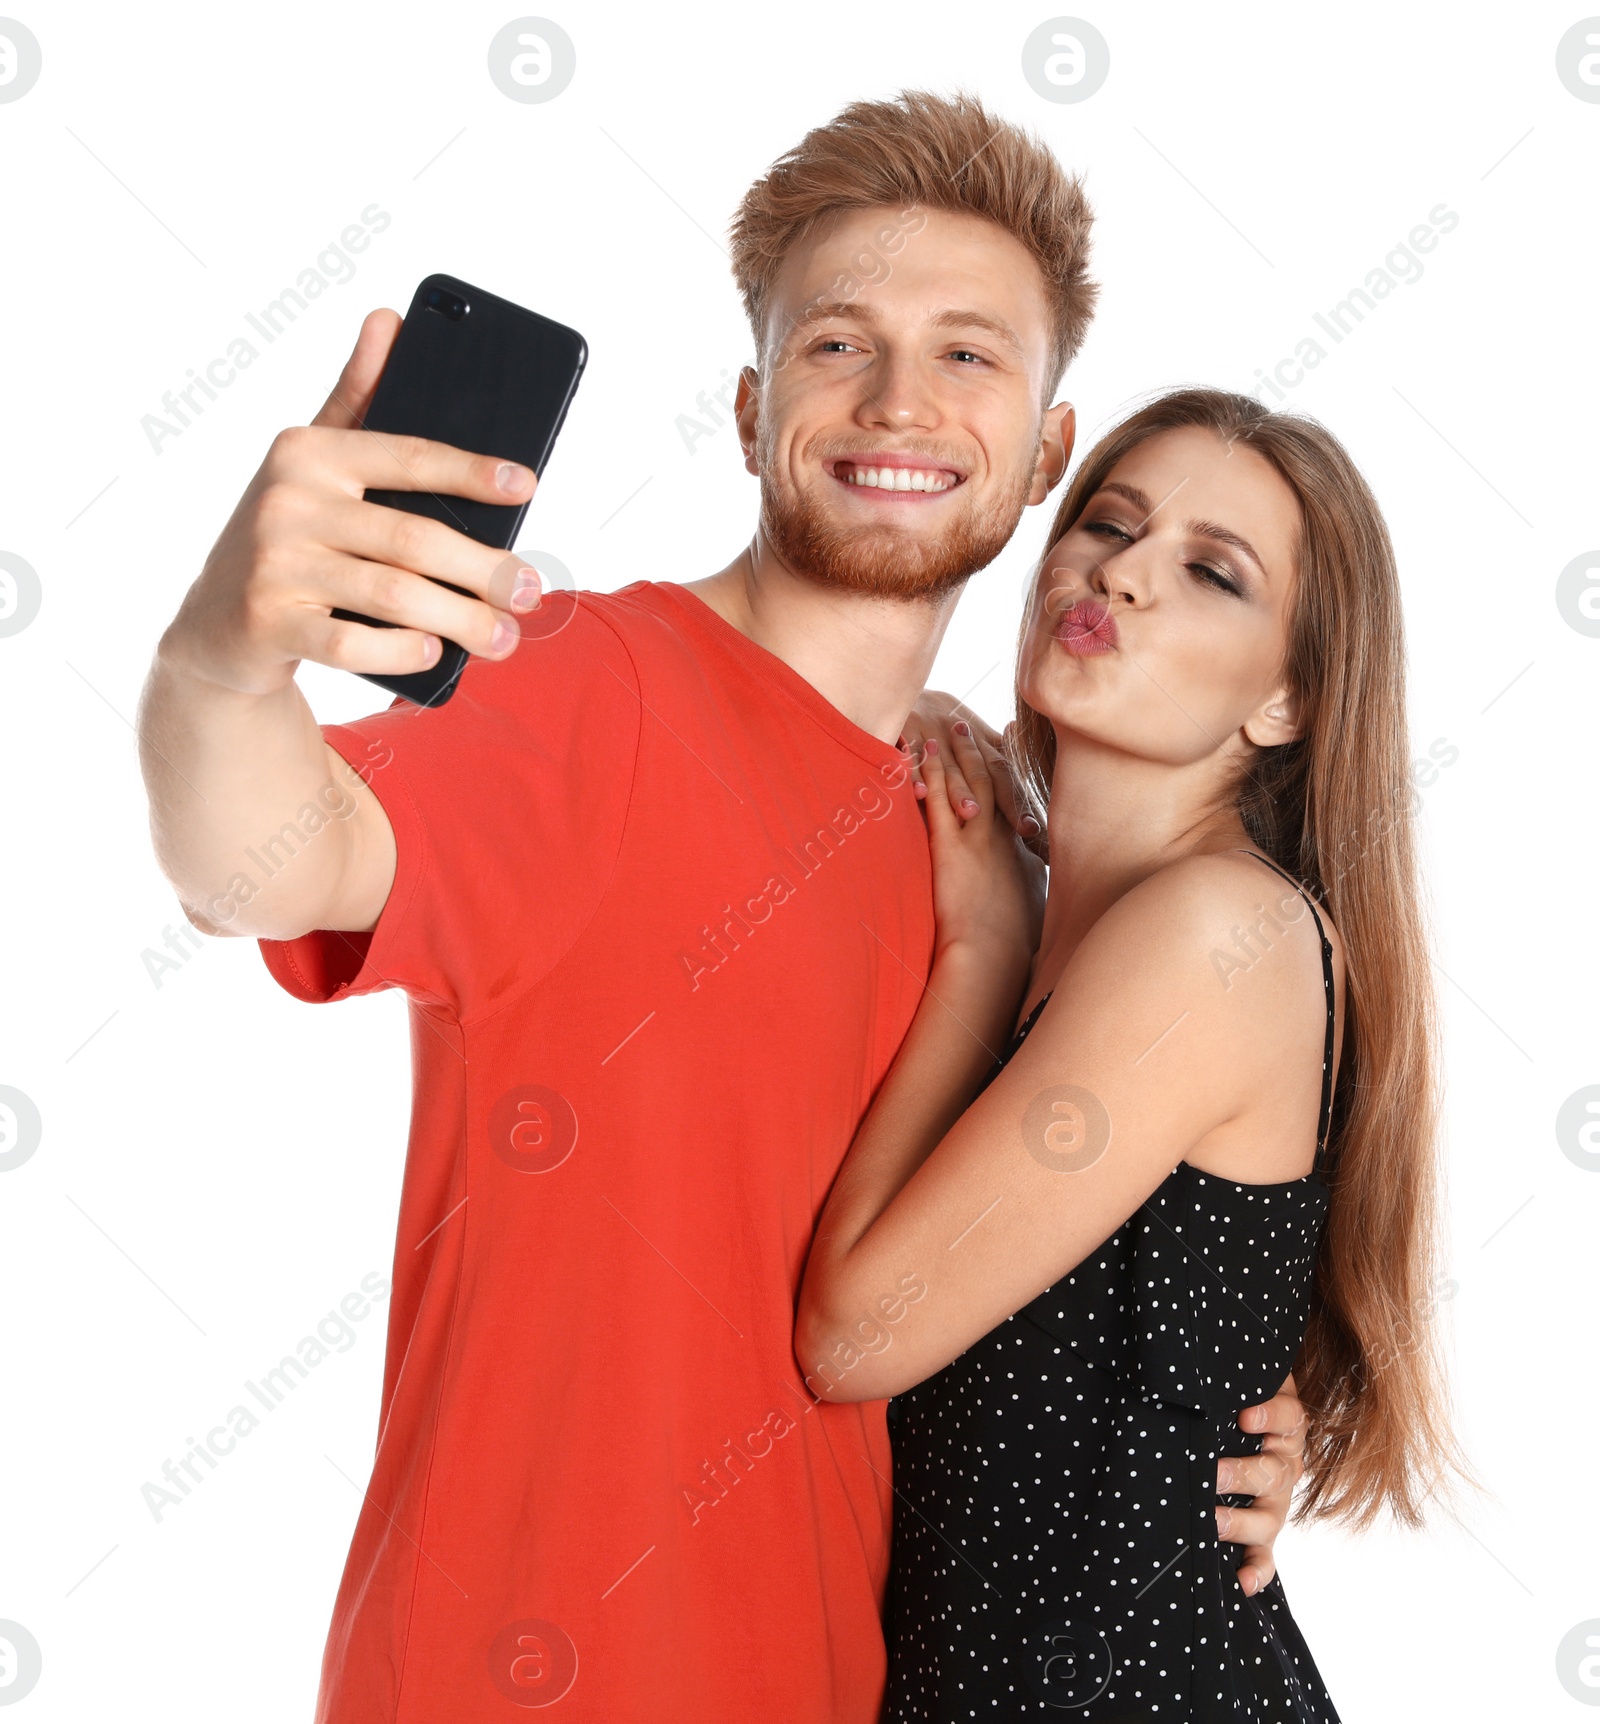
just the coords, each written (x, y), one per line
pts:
(936, 717)
(988, 889)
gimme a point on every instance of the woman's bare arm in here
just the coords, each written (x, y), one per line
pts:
(1091, 1115)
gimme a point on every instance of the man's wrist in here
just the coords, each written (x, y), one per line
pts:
(185, 656)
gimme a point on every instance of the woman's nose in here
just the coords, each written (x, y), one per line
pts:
(1124, 576)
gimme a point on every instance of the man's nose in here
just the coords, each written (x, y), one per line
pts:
(898, 394)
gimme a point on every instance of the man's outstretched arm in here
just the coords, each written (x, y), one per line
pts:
(228, 744)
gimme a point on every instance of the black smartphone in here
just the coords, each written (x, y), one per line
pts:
(478, 372)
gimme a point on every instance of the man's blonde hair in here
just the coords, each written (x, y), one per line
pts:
(937, 152)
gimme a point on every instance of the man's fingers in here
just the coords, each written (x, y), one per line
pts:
(356, 461)
(1288, 1452)
(368, 651)
(1246, 1525)
(379, 534)
(1283, 1417)
(1256, 1475)
(399, 596)
(347, 406)
(1256, 1570)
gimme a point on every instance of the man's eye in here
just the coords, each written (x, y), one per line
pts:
(966, 353)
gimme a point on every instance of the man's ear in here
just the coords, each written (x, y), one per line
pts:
(1275, 721)
(746, 403)
(1056, 437)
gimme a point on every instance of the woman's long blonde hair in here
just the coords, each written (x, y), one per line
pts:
(1334, 808)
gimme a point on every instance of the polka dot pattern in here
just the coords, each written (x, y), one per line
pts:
(1055, 1542)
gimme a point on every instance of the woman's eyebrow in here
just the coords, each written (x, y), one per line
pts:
(1210, 530)
(1132, 493)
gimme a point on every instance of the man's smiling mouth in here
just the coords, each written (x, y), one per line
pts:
(900, 475)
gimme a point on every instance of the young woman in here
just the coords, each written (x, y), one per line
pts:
(1206, 1152)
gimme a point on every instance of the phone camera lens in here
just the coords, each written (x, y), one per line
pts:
(450, 305)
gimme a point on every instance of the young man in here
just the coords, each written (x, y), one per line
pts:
(657, 887)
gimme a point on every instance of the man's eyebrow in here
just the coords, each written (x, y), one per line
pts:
(819, 310)
(1203, 529)
(823, 310)
(958, 319)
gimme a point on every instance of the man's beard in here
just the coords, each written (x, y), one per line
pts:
(884, 561)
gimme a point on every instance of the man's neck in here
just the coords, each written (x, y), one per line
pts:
(868, 657)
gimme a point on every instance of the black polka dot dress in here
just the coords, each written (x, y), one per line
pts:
(1055, 1541)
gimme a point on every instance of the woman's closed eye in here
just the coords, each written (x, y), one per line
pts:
(1219, 579)
(1215, 577)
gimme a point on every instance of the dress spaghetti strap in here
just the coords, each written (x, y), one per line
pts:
(1325, 1113)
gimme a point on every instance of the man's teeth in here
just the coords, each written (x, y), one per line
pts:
(898, 478)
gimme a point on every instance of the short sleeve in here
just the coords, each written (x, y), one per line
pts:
(508, 805)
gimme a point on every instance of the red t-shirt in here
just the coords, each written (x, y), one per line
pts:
(663, 916)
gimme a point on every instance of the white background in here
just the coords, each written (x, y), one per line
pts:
(220, 1165)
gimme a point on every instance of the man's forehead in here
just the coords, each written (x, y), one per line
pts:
(946, 270)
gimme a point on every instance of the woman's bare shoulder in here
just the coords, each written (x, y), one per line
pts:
(1215, 919)
(1225, 947)
(1216, 892)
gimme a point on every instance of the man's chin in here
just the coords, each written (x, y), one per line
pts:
(870, 574)
(879, 563)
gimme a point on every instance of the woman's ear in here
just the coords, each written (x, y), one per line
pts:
(1275, 721)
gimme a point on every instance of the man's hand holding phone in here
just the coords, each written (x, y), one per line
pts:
(229, 747)
(303, 542)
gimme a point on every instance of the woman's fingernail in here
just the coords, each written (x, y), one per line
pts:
(431, 648)
(918, 788)
(1030, 826)
(526, 590)
(503, 638)
(931, 746)
(961, 727)
(969, 805)
(513, 478)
